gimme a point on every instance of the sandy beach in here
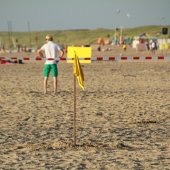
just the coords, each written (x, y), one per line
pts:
(123, 119)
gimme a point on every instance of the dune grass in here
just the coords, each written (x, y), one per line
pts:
(73, 37)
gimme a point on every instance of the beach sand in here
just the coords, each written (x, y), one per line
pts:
(123, 117)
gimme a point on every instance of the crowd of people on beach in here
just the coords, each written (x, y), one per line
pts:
(143, 44)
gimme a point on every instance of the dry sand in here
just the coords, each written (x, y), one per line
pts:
(123, 117)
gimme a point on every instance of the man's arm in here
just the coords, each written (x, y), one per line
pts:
(61, 53)
(40, 53)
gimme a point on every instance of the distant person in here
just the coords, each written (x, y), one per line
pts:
(147, 45)
(153, 46)
(100, 41)
(124, 46)
(50, 51)
(107, 40)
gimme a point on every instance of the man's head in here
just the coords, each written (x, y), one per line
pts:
(49, 37)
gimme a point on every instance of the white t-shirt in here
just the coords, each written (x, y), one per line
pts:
(51, 49)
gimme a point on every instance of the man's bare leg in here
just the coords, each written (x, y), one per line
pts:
(55, 84)
(45, 85)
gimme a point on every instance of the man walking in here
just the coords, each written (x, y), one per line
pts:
(50, 51)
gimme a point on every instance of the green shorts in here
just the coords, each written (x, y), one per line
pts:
(50, 67)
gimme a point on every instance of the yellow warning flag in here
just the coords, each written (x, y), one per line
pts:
(78, 72)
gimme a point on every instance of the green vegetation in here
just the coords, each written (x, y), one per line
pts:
(73, 37)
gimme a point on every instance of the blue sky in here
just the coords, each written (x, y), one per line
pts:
(43, 15)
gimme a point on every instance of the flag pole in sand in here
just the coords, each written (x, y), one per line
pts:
(74, 54)
(74, 116)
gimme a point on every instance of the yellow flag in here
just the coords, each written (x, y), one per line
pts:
(78, 72)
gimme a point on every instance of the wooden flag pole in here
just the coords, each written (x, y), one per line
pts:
(74, 116)
(84, 52)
